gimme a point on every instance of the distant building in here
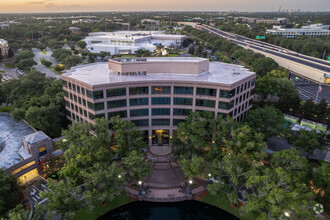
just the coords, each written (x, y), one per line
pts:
(313, 30)
(278, 21)
(157, 93)
(156, 22)
(81, 20)
(22, 148)
(4, 48)
(6, 24)
(127, 42)
(247, 19)
(75, 30)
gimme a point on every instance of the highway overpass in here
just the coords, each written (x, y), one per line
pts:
(312, 68)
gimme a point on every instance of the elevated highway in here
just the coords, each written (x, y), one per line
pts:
(312, 68)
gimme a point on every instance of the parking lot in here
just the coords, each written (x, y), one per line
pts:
(308, 89)
(33, 190)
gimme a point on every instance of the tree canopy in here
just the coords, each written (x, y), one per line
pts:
(98, 164)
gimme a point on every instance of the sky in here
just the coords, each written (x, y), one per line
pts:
(27, 6)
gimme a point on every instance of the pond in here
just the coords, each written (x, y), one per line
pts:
(187, 210)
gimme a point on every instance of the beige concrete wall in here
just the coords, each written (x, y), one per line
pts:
(180, 67)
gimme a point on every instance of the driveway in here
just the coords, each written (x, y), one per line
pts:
(41, 68)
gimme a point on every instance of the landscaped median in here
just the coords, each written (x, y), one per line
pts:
(221, 201)
(100, 209)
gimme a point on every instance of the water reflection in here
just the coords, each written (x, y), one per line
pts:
(187, 210)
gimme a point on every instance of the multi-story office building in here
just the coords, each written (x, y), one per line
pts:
(276, 21)
(157, 93)
(127, 42)
(4, 48)
(313, 30)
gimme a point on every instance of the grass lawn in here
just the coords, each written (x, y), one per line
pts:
(86, 214)
(173, 55)
(220, 200)
(128, 55)
(5, 108)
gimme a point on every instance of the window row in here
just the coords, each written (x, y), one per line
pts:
(159, 90)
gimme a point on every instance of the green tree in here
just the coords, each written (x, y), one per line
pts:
(193, 167)
(18, 213)
(54, 44)
(71, 61)
(62, 198)
(291, 161)
(10, 192)
(191, 50)
(246, 142)
(26, 64)
(268, 120)
(127, 137)
(195, 135)
(61, 54)
(231, 173)
(82, 44)
(134, 163)
(90, 170)
(321, 109)
(308, 140)
(308, 108)
(17, 114)
(23, 55)
(275, 192)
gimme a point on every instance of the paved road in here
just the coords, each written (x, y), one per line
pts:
(274, 50)
(41, 68)
(9, 72)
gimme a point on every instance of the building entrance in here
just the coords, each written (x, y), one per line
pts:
(160, 137)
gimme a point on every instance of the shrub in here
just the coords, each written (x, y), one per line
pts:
(45, 62)
(59, 67)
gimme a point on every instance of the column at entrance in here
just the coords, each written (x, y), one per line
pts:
(160, 137)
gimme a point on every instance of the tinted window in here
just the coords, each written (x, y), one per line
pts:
(205, 103)
(117, 103)
(182, 101)
(140, 101)
(138, 90)
(161, 101)
(183, 90)
(116, 92)
(161, 90)
(206, 91)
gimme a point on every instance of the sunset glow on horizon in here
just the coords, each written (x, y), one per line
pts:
(25, 6)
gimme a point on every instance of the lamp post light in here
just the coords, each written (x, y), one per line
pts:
(210, 176)
(287, 214)
(140, 187)
(190, 187)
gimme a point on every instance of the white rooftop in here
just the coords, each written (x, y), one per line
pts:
(99, 73)
(127, 35)
(11, 134)
(2, 41)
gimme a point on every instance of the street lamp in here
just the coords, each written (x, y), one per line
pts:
(210, 181)
(287, 214)
(190, 187)
(140, 187)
